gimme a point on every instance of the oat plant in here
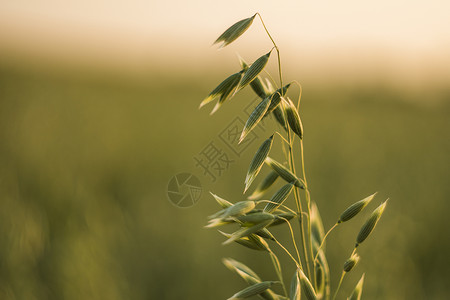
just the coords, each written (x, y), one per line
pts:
(256, 213)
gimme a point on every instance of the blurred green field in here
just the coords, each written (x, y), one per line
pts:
(85, 162)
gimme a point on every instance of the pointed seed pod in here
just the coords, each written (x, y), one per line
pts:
(264, 185)
(351, 262)
(247, 242)
(257, 162)
(225, 87)
(276, 97)
(238, 209)
(254, 70)
(234, 31)
(355, 208)
(279, 116)
(265, 233)
(357, 292)
(253, 290)
(257, 85)
(255, 117)
(252, 219)
(284, 173)
(293, 117)
(241, 269)
(245, 231)
(279, 197)
(294, 293)
(306, 286)
(370, 224)
(222, 202)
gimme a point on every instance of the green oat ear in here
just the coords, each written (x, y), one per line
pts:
(253, 290)
(306, 286)
(279, 197)
(370, 224)
(235, 31)
(294, 292)
(246, 231)
(284, 172)
(257, 85)
(255, 117)
(222, 202)
(254, 70)
(241, 269)
(258, 162)
(264, 185)
(351, 262)
(224, 89)
(355, 208)
(295, 123)
(357, 292)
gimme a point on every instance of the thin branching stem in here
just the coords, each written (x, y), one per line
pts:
(289, 253)
(276, 48)
(293, 240)
(323, 241)
(282, 137)
(339, 285)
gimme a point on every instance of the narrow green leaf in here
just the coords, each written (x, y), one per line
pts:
(264, 185)
(285, 173)
(293, 117)
(306, 286)
(279, 197)
(257, 162)
(370, 224)
(254, 70)
(235, 31)
(253, 290)
(355, 208)
(255, 117)
(357, 292)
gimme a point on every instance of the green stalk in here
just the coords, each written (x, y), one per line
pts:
(291, 157)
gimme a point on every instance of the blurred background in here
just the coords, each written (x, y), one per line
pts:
(99, 110)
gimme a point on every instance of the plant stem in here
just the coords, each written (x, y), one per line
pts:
(289, 253)
(339, 285)
(323, 241)
(293, 240)
(276, 48)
